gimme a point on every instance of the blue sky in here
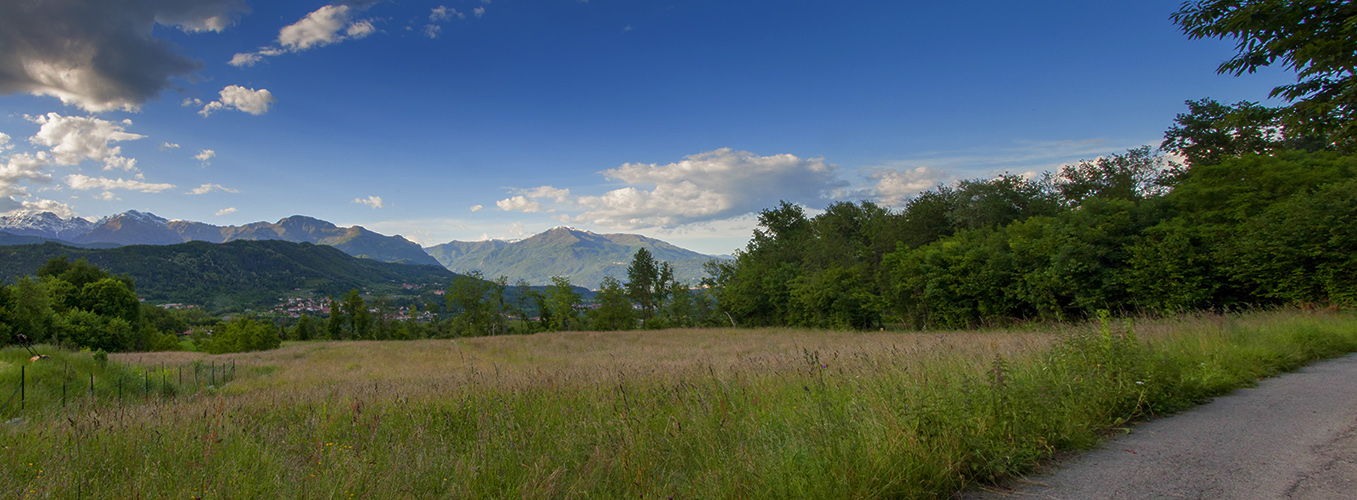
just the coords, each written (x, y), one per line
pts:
(472, 119)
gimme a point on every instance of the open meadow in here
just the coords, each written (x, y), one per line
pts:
(703, 413)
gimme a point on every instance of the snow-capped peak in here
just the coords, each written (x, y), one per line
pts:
(45, 224)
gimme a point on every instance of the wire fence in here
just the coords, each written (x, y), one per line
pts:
(120, 384)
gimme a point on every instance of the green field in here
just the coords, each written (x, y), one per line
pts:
(712, 413)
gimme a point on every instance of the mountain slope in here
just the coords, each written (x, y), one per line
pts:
(45, 225)
(584, 256)
(234, 275)
(141, 228)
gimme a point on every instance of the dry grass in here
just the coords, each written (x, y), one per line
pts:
(721, 413)
(589, 358)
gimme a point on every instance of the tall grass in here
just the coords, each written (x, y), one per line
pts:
(681, 413)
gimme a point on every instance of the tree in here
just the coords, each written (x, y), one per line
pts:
(1314, 38)
(523, 297)
(614, 310)
(1132, 176)
(562, 302)
(305, 329)
(1211, 132)
(467, 294)
(356, 311)
(642, 277)
(334, 326)
(496, 304)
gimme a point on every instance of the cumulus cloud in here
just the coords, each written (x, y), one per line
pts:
(714, 185)
(73, 139)
(208, 188)
(324, 26)
(477, 208)
(10, 206)
(86, 183)
(519, 204)
(167, 146)
(226, 211)
(894, 187)
(18, 168)
(205, 156)
(478, 11)
(101, 54)
(255, 102)
(372, 201)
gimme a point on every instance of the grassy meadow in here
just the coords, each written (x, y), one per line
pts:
(713, 413)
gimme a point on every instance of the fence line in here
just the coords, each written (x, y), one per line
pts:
(111, 389)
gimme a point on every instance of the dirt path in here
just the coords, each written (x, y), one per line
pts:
(1293, 436)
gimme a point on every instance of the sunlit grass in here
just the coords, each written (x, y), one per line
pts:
(676, 413)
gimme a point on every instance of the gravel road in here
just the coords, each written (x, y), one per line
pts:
(1293, 436)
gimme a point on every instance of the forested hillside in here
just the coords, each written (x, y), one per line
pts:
(235, 275)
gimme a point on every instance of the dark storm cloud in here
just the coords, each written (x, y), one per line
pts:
(99, 54)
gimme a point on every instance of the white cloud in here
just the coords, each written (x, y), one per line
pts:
(208, 188)
(167, 146)
(478, 11)
(12, 206)
(432, 30)
(255, 102)
(372, 201)
(101, 54)
(560, 195)
(21, 167)
(205, 156)
(243, 59)
(4, 142)
(73, 139)
(708, 186)
(477, 208)
(894, 187)
(86, 183)
(519, 204)
(324, 26)
(319, 28)
(443, 13)
(107, 196)
(226, 211)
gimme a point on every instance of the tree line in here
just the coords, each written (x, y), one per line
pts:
(1241, 205)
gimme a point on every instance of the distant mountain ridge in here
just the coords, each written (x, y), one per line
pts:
(586, 257)
(236, 275)
(143, 228)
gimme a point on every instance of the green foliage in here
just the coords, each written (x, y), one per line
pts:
(355, 310)
(1314, 38)
(561, 305)
(228, 277)
(614, 311)
(242, 334)
(305, 329)
(1211, 132)
(1128, 232)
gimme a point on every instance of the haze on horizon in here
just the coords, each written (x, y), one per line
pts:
(474, 119)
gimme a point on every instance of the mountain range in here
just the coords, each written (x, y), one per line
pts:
(141, 228)
(237, 275)
(586, 257)
(583, 256)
